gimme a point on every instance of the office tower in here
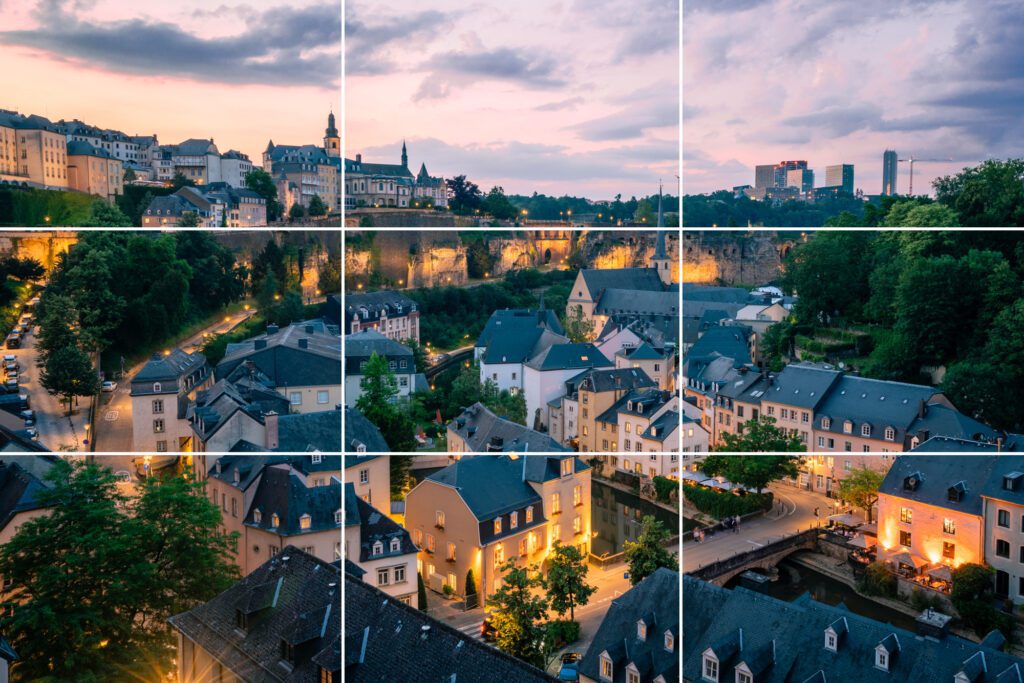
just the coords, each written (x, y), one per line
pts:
(841, 176)
(764, 176)
(801, 178)
(889, 171)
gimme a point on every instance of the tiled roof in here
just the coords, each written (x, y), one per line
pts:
(516, 335)
(283, 493)
(936, 475)
(293, 598)
(361, 432)
(483, 431)
(653, 601)
(374, 526)
(386, 640)
(568, 356)
(740, 625)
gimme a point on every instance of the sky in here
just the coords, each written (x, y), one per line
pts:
(241, 73)
(577, 97)
(841, 81)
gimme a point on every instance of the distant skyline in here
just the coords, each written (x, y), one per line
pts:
(842, 81)
(241, 74)
(559, 97)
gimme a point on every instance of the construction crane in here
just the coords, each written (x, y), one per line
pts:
(912, 160)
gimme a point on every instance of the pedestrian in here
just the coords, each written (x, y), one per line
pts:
(736, 524)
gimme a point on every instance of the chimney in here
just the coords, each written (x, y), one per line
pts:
(260, 344)
(309, 329)
(303, 343)
(272, 329)
(524, 469)
(271, 424)
(359, 158)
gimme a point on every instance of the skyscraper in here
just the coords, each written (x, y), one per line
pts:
(889, 171)
(764, 176)
(841, 176)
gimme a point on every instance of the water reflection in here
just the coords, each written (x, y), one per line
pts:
(616, 516)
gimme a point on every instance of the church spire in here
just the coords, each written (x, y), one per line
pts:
(405, 156)
(332, 129)
(661, 216)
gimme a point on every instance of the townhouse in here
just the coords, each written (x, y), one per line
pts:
(371, 476)
(511, 338)
(478, 430)
(361, 346)
(573, 416)
(381, 548)
(160, 393)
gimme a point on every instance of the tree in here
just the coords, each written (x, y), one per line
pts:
(378, 388)
(649, 553)
(471, 594)
(860, 488)
(179, 181)
(296, 212)
(479, 261)
(68, 373)
(566, 581)
(103, 574)
(330, 277)
(912, 214)
(972, 598)
(189, 219)
(777, 344)
(498, 205)
(317, 207)
(399, 466)
(990, 194)
(463, 196)
(830, 274)
(421, 593)
(129, 176)
(760, 436)
(577, 327)
(288, 310)
(752, 471)
(517, 612)
(102, 214)
(260, 182)
(419, 354)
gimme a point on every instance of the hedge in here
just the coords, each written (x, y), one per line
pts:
(720, 504)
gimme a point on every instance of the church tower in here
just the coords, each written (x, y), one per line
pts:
(332, 141)
(660, 261)
(405, 156)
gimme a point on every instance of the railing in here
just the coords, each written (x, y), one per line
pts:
(715, 569)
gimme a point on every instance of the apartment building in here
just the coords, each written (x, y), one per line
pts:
(381, 548)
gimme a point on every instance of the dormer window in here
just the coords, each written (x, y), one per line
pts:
(378, 548)
(847, 427)
(912, 482)
(882, 659)
(513, 520)
(317, 458)
(641, 630)
(632, 675)
(156, 387)
(826, 423)
(709, 668)
(237, 476)
(529, 514)
(396, 545)
(670, 642)
(567, 467)
(890, 434)
(497, 525)
(337, 516)
(743, 675)
(865, 430)
(831, 642)
(275, 521)
(955, 493)
(305, 521)
(257, 516)
(606, 667)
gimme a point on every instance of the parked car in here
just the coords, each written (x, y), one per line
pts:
(13, 340)
(32, 433)
(11, 384)
(109, 386)
(11, 365)
(487, 630)
(10, 358)
(569, 670)
(12, 374)
(27, 415)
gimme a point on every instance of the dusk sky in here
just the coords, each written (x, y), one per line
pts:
(239, 73)
(840, 81)
(574, 97)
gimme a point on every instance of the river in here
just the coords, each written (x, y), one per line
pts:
(616, 516)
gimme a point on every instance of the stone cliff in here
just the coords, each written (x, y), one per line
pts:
(733, 258)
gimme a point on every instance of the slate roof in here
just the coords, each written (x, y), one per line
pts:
(374, 526)
(944, 444)
(283, 492)
(19, 490)
(361, 432)
(307, 432)
(653, 601)
(662, 428)
(727, 340)
(82, 148)
(214, 407)
(493, 485)
(637, 302)
(803, 385)
(281, 357)
(377, 304)
(600, 279)
(170, 370)
(999, 486)
(363, 344)
(936, 475)
(712, 614)
(568, 356)
(609, 379)
(484, 432)
(733, 295)
(950, 422)
(294, 597)
(395, 170)
(876, 402)
(194, 147)
(516, 335)
(385, 640)
(250, 467)
(643, 351)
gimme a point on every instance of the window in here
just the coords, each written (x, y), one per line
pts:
(337, 516)
(567, 467)
(949, 526)
(399, 574)
(394, 546)
(577, 496)
(905, 539)
(322, 397)
(522, 547)
(430, 543)
(847, 427)
(364, 476)
(161, 446)
(158, 406)
(1003, 519)
(378, 548)
(158, 426)
(949, 550)
(275, 521)
(556, 503)
(439, 519)
(710, 669)
(305, 521)
(257, 516)
(865, 430)
(234, 507)
(906, 515)
(882, 659)
(830, 641)
(383, 576)
(641, 630)
(450, 553)
(632, 677)
(295, 398)
(1002, 548)
(499, 555)
(157, 388)
(576, 524)
(529, 514)
(826, 423)
(890, 434)
(670, 642)
(513, 520)
(743, 677)
(497, 525)
(606, 667)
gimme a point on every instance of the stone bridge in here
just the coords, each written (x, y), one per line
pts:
(765, 557)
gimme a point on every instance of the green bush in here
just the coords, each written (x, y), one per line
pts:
(562, 632)
(664, 487)
(922, 600)
(878, 580)
(720, 504)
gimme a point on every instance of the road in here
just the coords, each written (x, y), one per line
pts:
(114, 417)
(57, 431)
(793, 512)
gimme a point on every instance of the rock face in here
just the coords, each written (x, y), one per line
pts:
(44, 247)
(732, 258)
